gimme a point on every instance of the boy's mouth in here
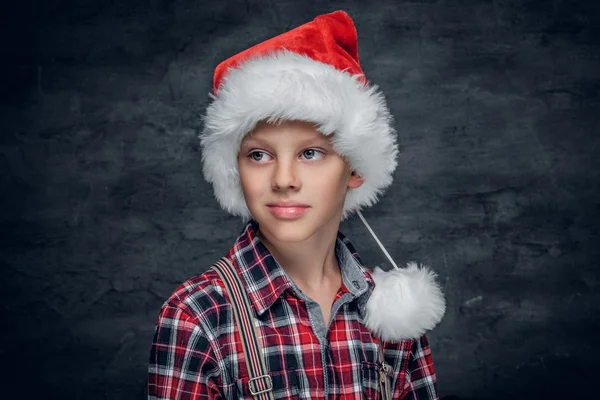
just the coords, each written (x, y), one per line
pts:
(288, 209)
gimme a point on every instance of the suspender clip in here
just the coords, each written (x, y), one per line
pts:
(269, 385)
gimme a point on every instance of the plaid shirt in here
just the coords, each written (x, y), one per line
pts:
(196, 351)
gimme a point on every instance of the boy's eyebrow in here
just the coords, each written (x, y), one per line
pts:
(321, 139)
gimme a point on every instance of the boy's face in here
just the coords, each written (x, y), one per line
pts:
(293, 161)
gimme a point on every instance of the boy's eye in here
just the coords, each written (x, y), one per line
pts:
(257, 155)
(309, 154)
(312, 154)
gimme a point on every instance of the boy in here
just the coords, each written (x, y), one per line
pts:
(295, 141)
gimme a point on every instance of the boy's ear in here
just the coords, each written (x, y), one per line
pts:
(355, 181)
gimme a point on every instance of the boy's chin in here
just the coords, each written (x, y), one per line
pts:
(289, 230)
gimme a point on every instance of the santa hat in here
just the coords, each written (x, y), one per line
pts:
(312, 73)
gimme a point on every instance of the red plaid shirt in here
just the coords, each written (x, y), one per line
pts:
(196, 351)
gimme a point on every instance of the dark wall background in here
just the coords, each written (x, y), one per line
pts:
(104, 210)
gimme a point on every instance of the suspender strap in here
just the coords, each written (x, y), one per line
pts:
(260, 384)
(384, 371)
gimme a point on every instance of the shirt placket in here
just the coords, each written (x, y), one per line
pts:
(321, 331)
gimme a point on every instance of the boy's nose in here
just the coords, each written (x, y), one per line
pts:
(285, 176)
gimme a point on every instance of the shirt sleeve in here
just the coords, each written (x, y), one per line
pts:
(421, 382)
(182, 361)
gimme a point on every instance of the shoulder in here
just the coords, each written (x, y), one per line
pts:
(202, 299)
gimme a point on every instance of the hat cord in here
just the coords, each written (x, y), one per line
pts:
(376, 239)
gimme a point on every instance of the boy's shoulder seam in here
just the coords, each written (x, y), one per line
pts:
(193, 294)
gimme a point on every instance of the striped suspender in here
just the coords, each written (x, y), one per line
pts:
(384, 372)
(260, 384)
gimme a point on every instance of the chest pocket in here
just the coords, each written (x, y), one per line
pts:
(285, 385)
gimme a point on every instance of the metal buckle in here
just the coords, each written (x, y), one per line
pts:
(385, 367)
(270, 385)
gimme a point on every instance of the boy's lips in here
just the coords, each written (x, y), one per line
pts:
(288, 209)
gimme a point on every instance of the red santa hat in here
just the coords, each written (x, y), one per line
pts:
(312, 73)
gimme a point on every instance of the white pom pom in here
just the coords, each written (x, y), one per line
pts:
(405, 303)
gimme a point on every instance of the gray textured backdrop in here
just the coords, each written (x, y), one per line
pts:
(104, 210)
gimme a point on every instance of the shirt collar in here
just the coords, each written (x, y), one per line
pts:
(265, 280)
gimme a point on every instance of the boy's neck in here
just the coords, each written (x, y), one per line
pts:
(311, 264)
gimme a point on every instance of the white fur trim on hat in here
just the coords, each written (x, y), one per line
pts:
(288, 86)
(405, 303)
